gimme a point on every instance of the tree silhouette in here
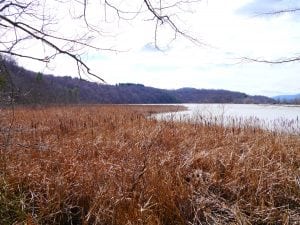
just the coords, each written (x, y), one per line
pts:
(285, 59)
(31, 22)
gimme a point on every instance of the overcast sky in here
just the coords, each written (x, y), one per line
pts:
(229, 29)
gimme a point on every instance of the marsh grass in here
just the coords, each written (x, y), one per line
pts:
(115, 165)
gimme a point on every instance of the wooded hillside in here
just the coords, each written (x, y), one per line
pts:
(36, 88)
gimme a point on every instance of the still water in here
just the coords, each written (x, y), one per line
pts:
(274, 117)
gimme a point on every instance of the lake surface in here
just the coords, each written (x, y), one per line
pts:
(274, 117)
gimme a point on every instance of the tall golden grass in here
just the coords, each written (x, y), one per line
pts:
(114, 165)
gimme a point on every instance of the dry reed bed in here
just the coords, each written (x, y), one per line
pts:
(112, 165)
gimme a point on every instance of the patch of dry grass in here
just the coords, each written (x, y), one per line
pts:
(112, 165)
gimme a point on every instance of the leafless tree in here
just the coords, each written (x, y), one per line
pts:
(24, 23)
(282, 60)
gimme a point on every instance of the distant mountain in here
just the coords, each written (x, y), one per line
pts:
(287, 98)
(192, 95)
(36, 88)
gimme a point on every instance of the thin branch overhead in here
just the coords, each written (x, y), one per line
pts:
(282, 11)
(278, 61)
(165, 18)
(51, 44)
(28, 22)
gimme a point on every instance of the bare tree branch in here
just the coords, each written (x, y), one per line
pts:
(52, 45)
(279, 12)
(163, 18)
(25, 20)
(279, 61)
(24, 56)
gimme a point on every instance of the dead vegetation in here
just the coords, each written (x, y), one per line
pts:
(112, 165)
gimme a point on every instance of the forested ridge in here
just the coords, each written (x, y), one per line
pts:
(36, 88)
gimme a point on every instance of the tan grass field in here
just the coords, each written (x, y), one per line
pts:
(112, 165)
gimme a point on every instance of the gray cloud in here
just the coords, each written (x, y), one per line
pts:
(149, 47)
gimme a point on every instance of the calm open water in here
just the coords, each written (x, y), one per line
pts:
(273, 117)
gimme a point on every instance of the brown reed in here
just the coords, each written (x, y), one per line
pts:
(114, 165)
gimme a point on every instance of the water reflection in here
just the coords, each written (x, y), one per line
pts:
(282, 118)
